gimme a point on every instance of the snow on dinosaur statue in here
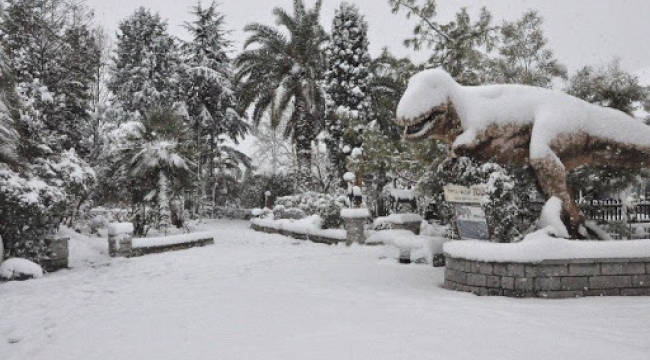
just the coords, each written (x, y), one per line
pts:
(516, 124)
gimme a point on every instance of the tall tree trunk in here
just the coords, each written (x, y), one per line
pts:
(303, 136)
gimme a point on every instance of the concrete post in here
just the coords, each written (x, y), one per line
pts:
(120, 239)
(355, 221)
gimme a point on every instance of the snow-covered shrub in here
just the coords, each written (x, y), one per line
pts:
(98, 222)
(511, 201)
(381, 223)
(294, 214)
(330, 214)
(31, 211)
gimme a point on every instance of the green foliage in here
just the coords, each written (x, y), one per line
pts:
(608, 86)
(459, 46)
(523, 56)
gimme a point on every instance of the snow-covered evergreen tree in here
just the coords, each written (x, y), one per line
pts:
(346, 78)
(207, 88)
(52, 54)
(145, 64)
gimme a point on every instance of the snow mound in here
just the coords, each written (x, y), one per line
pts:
(355, 213)
(550, 218)
(540, 246)
(120, 228)
(404, 218)
(19, 269)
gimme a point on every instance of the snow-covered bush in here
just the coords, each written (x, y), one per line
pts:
(381, 223)
(330, 214)
(19, 269)
(294, 214)
(31, 211)
(511, 201)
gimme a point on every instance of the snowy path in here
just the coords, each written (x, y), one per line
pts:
(260, 296)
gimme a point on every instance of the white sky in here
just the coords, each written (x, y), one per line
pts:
(581, 32)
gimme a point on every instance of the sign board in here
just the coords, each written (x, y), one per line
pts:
(471, 222)
(464, 194)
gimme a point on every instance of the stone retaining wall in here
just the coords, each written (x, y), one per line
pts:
(550, 278)
(164, 248)
(296, 235)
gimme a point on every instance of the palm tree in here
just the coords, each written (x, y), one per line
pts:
(282, 75)
(160, 155)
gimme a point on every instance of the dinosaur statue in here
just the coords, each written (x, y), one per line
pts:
(516, 124)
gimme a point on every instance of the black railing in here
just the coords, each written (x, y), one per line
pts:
(613, 210)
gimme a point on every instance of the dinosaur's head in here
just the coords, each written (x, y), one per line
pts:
(425, 109)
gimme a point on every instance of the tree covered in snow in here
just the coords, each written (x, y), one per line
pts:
(8, 113)
(208, 90)
(459, 46)
(608, 86)
(389, 78)
(158, 146)
(52, 53)
(346, 78)
(144, 72)
(280, 73)
(523, 57)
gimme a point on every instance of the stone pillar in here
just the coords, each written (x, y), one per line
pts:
(355, 221)
(120, 238)
(59, 255)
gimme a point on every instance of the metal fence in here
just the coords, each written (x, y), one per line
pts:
(615, 210)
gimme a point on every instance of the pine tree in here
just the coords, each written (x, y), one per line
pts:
(208, 90)
(146, 63)
(346, 79)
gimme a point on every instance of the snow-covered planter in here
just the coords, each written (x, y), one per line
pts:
(144, 246)
(549, 267)
(309, 228)
(19, 269)
(120, 236)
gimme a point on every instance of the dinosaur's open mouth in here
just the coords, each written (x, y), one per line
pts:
(421, 128)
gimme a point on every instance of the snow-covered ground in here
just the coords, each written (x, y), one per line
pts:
(264, 296)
